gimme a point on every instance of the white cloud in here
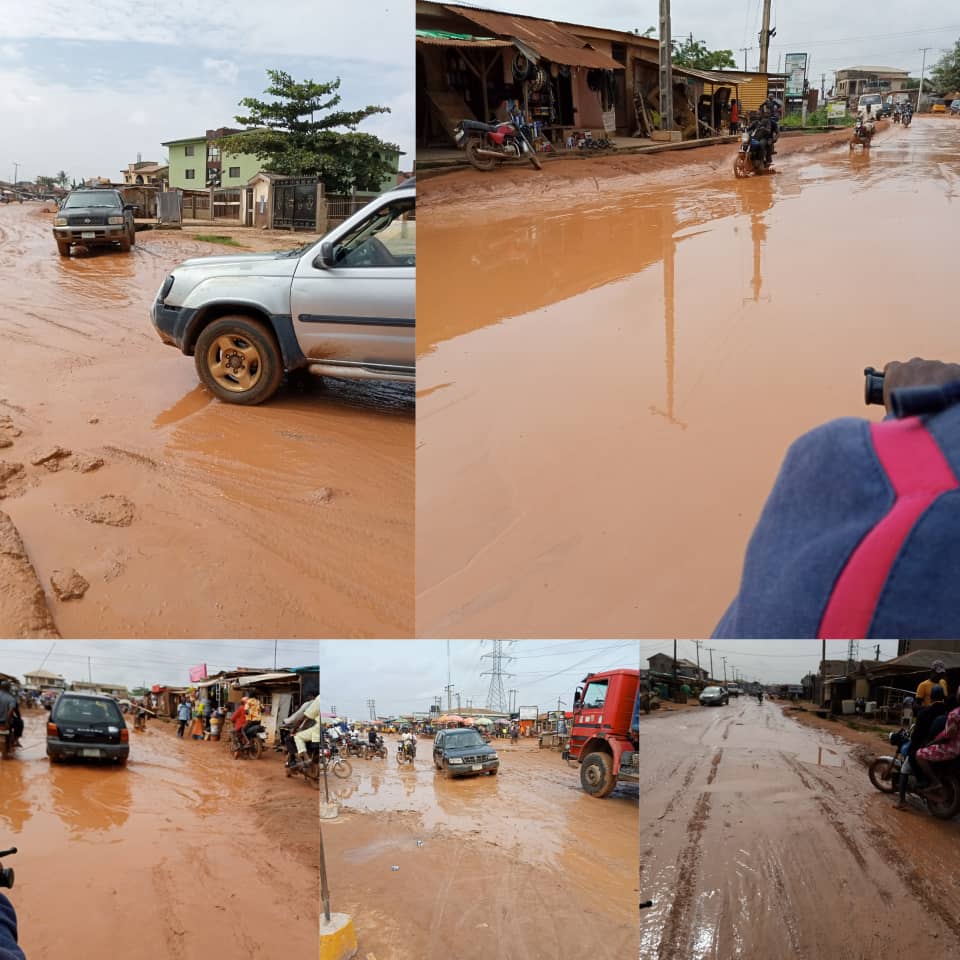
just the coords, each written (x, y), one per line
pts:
(225, 70)
(10, 51)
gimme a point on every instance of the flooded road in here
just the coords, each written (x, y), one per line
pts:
(521, 865)
(764, 838)
(290, 519)
(177, 850)
(609, 374)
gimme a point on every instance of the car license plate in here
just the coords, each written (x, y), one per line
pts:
(90, 753)
(477, 766)
(87, 235)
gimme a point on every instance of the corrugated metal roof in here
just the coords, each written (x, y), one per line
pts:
(264, 677)
(708, 75)
(454, 42)
(543, 37)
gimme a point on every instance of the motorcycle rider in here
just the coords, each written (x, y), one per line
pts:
(9, 950)
(823, 563)
(254, 711)
(10, 711)
(302, 734)
(408, 743)
(759, 696)
(937, 678)
(944, 747)
(923, 733)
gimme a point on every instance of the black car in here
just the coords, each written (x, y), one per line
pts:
(87, 726)
(461, 752)
(94, 218)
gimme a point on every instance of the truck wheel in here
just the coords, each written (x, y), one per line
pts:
(63, 247)
(238, 360)
(125, 243)
(596, 775)
(133, 236)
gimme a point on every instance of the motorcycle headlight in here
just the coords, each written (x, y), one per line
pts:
(115, 220)
(60, 222)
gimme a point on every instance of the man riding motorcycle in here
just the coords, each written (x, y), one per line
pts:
(10, 712)
(408, 743)
(302, 734)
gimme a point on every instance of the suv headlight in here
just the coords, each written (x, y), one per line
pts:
(60, 222)
(166, 288)
(456, 760)
(115, 220)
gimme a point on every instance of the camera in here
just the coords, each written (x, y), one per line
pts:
(6, 873)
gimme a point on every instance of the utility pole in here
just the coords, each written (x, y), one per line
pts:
(710, 649)
(674, 658)
(923, 67)
(697, 643)
(513, 700)
(89, 671)
(745, 51)
(496, 695)
(372, 707)
(766, 34)
(724, 659)
(16, 167)
(449, 689)
(877, 651)
(823, 87)
(666, 68)
(449, 685)
(823, 669)
(274, 654)
(458, 701)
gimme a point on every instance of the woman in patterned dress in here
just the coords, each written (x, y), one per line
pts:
(945, 747)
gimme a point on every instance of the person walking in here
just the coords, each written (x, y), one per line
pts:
(183, 717)
(196, 728)
(734, 117)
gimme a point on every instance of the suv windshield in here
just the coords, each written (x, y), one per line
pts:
(711, 690)
(87, 710)
(93, 198)
(463, 738)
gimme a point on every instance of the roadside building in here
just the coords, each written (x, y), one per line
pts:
(198, 161)
(110, 689)
(44, 680)
(663, 663)
(851, 82)
(144, 172)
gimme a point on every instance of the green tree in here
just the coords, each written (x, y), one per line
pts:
(945, 73)
(302, 133)
(694, 53)
(62, 178)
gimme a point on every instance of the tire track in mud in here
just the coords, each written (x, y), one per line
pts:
(677, 927)
(712, 775)
(680, 791)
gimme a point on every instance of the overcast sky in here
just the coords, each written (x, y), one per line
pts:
(835, 35)
(86, 85)
(405, 676)
(134, 662)
(769, 661)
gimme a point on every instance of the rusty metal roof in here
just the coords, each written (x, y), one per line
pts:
(543, 37)
(472, 42)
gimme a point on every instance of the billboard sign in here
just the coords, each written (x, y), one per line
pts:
(198, 673)
(795, 66)
(528, 713)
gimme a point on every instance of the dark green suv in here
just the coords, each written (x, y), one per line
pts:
(94, 217)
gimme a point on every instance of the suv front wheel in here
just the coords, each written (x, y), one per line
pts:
(238, 359)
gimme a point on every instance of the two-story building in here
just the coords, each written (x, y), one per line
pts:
(145, 173)
(851, 82)
(196, 163)
(44, 680)
(663, 663)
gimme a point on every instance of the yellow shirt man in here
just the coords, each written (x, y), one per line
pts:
(923, 691)
(254, 710)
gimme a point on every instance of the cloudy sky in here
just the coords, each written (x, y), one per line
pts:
(769, 661)
(86, 85)
(835, 35)
(404, 676)
(134, 662)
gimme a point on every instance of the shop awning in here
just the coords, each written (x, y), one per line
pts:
(200, 684)
(265, 678)
(440, 38)
(710, 76)
(542, 37)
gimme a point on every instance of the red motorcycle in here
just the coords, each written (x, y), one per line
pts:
(488, 144)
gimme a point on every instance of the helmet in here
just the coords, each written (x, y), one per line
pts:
(938, 667)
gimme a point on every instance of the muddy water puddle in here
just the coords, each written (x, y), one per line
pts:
(211, 484)
(607, 390)
(158, 846)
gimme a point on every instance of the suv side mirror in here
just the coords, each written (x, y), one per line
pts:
(326, 254)
(131, 206)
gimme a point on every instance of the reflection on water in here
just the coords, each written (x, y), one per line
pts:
(90, 797)
(15, 809)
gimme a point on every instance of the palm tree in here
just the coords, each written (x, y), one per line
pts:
(62, 178)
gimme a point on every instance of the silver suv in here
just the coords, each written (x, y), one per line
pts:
(343, 306)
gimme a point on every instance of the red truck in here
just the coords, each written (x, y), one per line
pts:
(604, 737)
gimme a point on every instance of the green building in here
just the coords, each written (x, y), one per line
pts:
(196, 161)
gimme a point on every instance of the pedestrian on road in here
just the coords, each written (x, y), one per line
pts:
(938, 676)
(183, 717)
(734, 116)
(858, 536)
(945, 747)
(923, 733)
(196, 728)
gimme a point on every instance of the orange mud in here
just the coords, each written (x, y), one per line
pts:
(611, 370)
(764, 838)
(522, 865)
(294, 518)
(162, 858)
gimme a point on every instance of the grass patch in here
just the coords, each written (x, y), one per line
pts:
(216, 238)
(817, 119)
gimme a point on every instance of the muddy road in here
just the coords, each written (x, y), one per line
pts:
(519, 866)
(290, 519)
(161, 858)
(764, 838)
(611, 368)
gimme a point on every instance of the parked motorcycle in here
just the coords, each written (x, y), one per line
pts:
(249, 745)
(338, 764)
(885, 774)
(755, 154)
(309, 769)
(488, 144)
(863, 132)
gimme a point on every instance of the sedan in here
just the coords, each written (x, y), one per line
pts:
(87, 726)
(462, 752)
(714, 696)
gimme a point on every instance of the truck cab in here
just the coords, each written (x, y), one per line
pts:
(605, 732)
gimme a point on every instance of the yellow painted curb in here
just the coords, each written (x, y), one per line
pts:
(338, 939)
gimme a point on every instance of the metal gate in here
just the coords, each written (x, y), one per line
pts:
(295, 203)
